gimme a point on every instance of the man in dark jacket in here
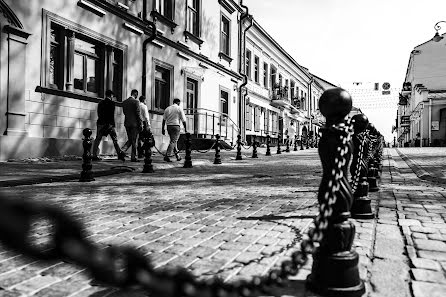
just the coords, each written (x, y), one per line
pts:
(106, 125)
(133, 122)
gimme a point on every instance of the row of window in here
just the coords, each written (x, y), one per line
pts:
(253, 116)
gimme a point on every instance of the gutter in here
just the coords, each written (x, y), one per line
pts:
(242, 47)
(144, 58)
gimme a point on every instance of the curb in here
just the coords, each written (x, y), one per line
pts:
(418, 170)
(62, 178)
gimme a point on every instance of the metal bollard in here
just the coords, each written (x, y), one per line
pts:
(335, 263)
(188, 156)
(307, 140)
(268, 143)
(371, 176)
(301, 143)
(217, 159)
(287, 150)
(87, 173)
(254, 148)
(361, 208)
(149, 142)
(295, 143)
(278, 145)
(239, 148)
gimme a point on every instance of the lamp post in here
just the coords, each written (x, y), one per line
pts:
(437, 27)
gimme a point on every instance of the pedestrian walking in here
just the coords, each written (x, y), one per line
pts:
(292, 134)
(173, 117)
(133, 123)
(106, 126)
(146, 124)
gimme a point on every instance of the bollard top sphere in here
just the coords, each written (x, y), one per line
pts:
(188, 134)
(372, 128)
(87, 132)
(360, 122)
(335, 104)
(217, 136)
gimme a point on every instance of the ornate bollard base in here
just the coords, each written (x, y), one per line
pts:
(361, 208)
(373, 184)
(187, 164)
(239, 157)
(86, 176)
(148, 168)
(336, 275)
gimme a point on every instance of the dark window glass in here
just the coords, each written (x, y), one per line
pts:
(162, 87)
(256, 69)
(225, 35)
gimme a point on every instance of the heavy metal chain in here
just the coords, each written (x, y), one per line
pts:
(126, 266)
(355, 177)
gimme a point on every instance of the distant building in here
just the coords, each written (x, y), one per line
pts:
(421, 117)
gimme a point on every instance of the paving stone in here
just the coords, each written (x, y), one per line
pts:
(428, 276)
(425, 230)
(430, 245)
(434, 255)
(425, 289)
(425, 264)
(409, 222)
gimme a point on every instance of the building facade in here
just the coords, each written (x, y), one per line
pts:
(421, 115)
(59, 57)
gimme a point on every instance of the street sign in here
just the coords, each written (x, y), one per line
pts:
(386, 92)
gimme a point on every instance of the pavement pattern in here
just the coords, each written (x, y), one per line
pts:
(236, 220)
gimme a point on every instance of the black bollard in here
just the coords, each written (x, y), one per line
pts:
(335, 263)
(268, 143)
(149, 142)
(287, 150)
(307, 140)
(217, 159)
(278, 145)
(254, 148)
(188, 156)
(239, 148)
(87, 173)
(371, 176)
(361, 208)
(301, 143)
(295, 143)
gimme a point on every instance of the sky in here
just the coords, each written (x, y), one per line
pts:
(344, 41)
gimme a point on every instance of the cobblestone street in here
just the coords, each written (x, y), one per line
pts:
(236, 220)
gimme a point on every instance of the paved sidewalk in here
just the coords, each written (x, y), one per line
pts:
(234, 220)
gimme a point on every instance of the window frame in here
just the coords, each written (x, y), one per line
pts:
(265, 75)
(248, 63)
(66, 25)
(171, 69)
(272, 74)
(256, 68)
(227, 51)
(198, 18)
(227, 91)
(198, 80)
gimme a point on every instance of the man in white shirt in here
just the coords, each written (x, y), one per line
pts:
(173, 117)
(146, 124)
(291, 134)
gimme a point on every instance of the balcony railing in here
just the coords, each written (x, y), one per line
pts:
(207, 123)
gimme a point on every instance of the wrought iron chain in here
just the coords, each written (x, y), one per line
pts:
(204, 152)
(126, 266)
(355, 177)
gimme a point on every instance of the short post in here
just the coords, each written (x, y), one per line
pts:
(287, 150)
(87, 173)
(149, 142)
(335, 263)
(307, 140)
(315, 139)
(371, 177)
(188, 156)
(239, 148)
(295, 143)
(361, 208)
(268, 143)
(217, 159)
(301, 142)
(278, 144)
(254, 147)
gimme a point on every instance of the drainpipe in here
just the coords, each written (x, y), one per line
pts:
(310, 104)
(144, 57)
(242, 49)
(429, 125)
